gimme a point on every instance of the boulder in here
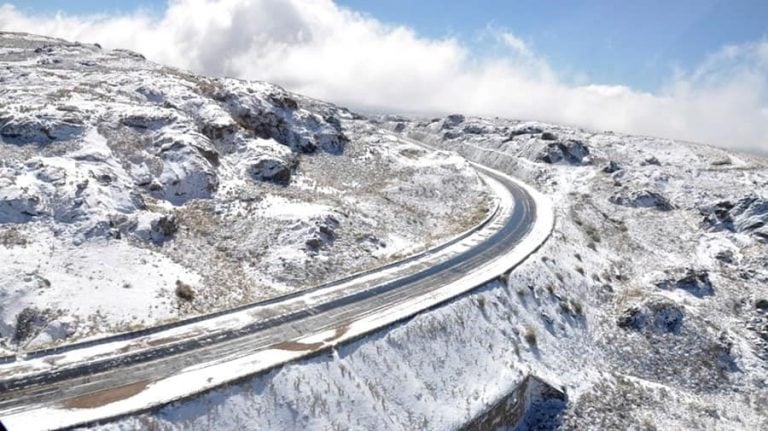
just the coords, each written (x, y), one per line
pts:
(271, 169)
(611, 167)
(642, 199)
(453, 120)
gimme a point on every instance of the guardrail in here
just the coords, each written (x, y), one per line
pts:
(35, 354)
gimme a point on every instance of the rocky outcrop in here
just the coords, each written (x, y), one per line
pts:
(571, 151)
(322, 234)
(39, 126)
(19, 205)
(524, 130)
(695, 282)
(748, 215)
(642, 199)
(279, 119)
(656, 316)
(272, 169)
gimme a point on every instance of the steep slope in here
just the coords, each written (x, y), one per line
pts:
(133, 193)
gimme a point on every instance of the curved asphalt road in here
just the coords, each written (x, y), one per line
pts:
(31, 391)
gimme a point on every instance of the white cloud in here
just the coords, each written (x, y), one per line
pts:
(515, 43)
(320, 49)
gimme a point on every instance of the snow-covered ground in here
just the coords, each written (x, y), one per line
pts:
(649, 305)
(133, 193)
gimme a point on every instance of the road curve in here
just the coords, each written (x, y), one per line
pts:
(75, 387)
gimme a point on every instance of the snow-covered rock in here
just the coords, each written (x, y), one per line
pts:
(642, 199)
(654, 315)
(749, 214)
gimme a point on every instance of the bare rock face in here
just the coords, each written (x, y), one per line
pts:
(571, 151)
(748, 215)
(642, 199)
(18, 205)
(653, 316)
(695, 282)
(270, 169)
(39, 127)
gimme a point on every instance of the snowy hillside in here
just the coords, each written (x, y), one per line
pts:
(133, 193)
(648, 306)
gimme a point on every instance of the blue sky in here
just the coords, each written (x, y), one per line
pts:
(634, 43)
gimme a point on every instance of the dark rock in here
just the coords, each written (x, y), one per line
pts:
(454, 120)
(323, 233)
(208, 153)
(270, 169)
(762, 304)
(642, 199)
(748, 215)
(40, 129)
(29, 322)
(163, 228)
(548, 136)
(694, 282)
(526, 130)
(650, 161)
(283, 101)
(612, 167)
(18, 206)
(333, 121)
(653, 316)
(572, 151)
(725, 256)
(474, 129)
(314, 244)
(184, 291)
(332, 143)
(450, 135)
(399, 127)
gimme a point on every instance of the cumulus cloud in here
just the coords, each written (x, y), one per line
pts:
(323, 50)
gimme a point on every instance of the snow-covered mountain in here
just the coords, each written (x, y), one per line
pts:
(648, 306)
(132, 193)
